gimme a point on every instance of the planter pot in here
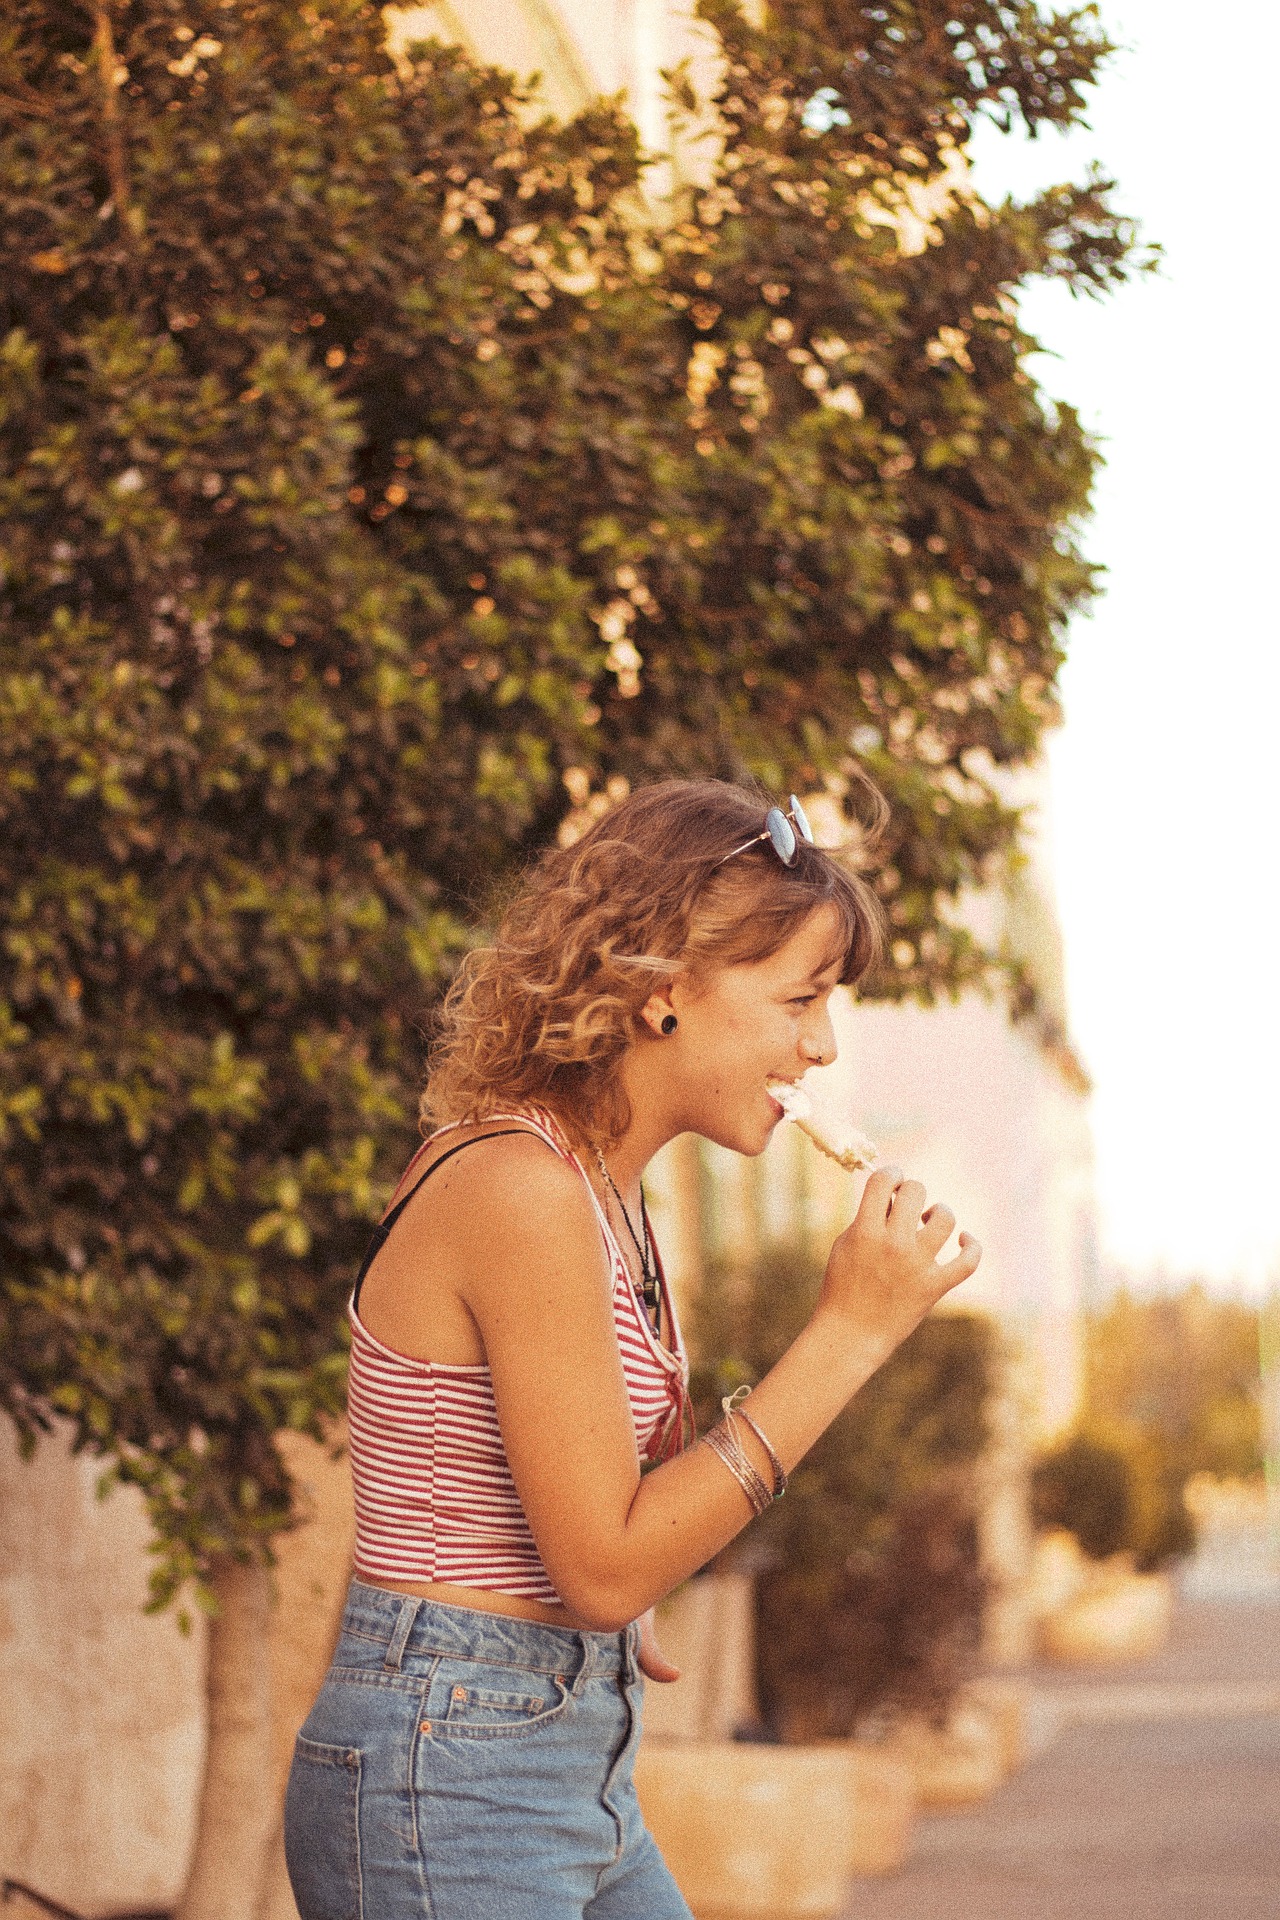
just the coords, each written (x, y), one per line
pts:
(755, 1832)
(1005, 1703)
(708, 1629)
(1059, 1572)
(955, 1765)
(884, 1810)
(1125, 1619)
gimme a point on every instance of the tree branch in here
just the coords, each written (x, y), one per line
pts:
(104, 47)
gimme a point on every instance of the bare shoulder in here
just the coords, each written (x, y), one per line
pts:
(513, 1224)
(509, 1174)
(507, 1196)
(484, 1227)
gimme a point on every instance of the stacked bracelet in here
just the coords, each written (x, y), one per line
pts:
(726, 1444)
(779, 1471)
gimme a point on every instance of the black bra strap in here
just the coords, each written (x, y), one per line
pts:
(380, 1233)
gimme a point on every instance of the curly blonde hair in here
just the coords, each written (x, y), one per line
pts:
(545, 1014)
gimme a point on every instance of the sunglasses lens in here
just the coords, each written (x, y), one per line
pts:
(801, 819)
(778, 828)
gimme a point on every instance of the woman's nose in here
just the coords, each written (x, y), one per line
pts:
(819, 1043)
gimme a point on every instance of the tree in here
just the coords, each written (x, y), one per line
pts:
(380, 482)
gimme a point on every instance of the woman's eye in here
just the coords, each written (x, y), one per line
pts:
(804, 1000)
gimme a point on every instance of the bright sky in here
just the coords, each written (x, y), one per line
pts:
(1167, 774)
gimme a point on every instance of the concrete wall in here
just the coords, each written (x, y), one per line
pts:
(102, 1705)
(101, 1712)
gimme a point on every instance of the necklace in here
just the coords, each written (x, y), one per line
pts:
(649, 1289)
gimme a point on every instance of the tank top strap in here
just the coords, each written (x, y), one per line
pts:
(535, 1120)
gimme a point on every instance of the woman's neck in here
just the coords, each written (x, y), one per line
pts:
(652, 1123)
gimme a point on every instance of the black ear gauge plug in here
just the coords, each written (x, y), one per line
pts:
(669, 1024)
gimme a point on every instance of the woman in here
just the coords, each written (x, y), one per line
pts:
(516, 1366)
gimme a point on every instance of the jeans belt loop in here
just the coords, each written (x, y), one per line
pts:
(404, 1627)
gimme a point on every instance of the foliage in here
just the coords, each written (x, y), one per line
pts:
(1114, 1489)
(1172, 1389)
(890, 501)
(869, 1593)
(1184, 1369)
(1088, 1488)
(379, 482)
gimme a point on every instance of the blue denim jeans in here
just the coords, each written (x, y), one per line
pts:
(461, 1765)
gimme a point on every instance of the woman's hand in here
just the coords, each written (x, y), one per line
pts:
(653, 1661)
(883, 1275)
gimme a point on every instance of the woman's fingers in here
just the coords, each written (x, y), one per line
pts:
(937, 1224)
(653, 1661)
(896, 1207)
(963, 1265)
(877, 1195)
(908, 1205)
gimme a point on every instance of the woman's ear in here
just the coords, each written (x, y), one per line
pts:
(659, 1015)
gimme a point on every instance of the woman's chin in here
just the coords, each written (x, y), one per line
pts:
(751, 1133)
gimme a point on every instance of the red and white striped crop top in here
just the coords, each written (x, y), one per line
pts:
(434, 1496)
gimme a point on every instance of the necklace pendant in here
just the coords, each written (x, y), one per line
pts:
(647, 1289)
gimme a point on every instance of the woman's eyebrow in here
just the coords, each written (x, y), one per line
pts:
(814, 979)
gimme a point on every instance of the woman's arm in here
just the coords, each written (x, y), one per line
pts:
(532, 1271)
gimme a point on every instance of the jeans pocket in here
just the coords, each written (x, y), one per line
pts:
(322, 1831)
(471, 1697)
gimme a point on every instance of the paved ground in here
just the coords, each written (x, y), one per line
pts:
(1158, 1799)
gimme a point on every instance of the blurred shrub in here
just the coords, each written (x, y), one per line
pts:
(1118, 1491)
(1087, 1487)
(869, 1589)
(875, 1629)
(1184, 1370)
(1172, 1389)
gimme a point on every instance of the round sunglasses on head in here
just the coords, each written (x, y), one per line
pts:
(781, 834)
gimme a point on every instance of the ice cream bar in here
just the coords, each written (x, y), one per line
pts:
(832, 1133)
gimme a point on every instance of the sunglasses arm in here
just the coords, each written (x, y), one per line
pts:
(753, 842)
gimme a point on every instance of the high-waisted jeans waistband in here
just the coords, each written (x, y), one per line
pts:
(410, 1626)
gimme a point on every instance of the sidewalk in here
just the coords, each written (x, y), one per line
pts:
(1157, 1799)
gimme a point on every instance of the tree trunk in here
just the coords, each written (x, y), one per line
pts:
(236, 1804)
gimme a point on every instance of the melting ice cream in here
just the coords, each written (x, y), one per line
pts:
(830, 1132)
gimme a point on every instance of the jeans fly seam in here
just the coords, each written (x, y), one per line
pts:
(411, 1785)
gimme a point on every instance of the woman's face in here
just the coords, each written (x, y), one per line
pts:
(742, 1026)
